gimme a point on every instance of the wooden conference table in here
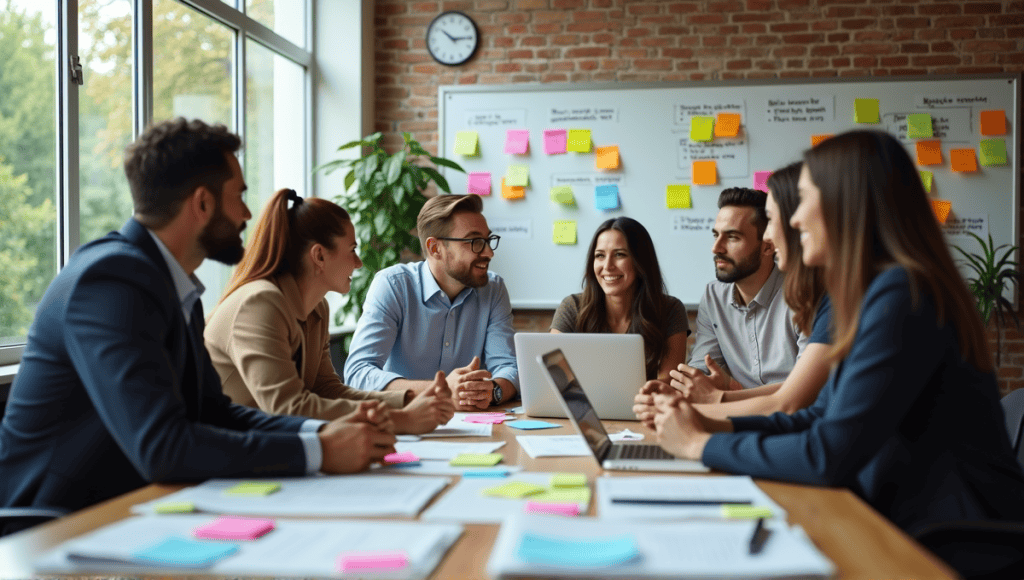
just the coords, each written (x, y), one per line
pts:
(860, 542)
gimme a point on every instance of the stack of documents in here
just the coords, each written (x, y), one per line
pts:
(458, 427)
(683, 497)
(471, 500)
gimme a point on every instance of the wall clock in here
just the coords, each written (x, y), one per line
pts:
(452, 38)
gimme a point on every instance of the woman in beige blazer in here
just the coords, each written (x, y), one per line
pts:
(268, 338)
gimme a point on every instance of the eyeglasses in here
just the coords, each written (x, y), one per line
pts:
(477, 243)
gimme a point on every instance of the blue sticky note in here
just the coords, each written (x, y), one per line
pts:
(606, 196)
(186, 552)
(489, 473)
(528, 424)
(576, 552)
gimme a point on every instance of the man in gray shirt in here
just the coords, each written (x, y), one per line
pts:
(745, 332)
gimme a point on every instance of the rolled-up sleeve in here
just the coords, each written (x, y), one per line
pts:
(499, 347)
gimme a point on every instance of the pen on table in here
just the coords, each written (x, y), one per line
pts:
(759, 537)
(694, 502)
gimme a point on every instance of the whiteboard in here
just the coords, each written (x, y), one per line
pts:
(650, 123)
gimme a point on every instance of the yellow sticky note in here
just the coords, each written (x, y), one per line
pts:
(565, 233)
(941, 209)
(701, 127)
(569, 480)
(705, 172)
(919, 125)
(865, 110)
(563, 494)
(174, 507)
(929, 152)
(518, 175)
(476, 459)
(253, 488)
(747, 512)
(815, 139)
(579, 141)
(926, 180)
(607, 157)
(563, 194)
(993, 152)
(677, 196)
(993, 122)
(963, 160)
(727, 125)
(514, 489)
(466, 143)
(512, 191)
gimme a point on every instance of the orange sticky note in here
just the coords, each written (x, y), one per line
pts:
(607, 157)
(993, 122)
(963, 160)
(929, 152)
(815, 139)
(512, 191)
(705, 172)
(727, 125)
(941, 208)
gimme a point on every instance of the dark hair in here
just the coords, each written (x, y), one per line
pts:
(283, 234)
(804, 285)
(650, 298)
(434, 219)
(746, 197)
(876, 213)
(170, 160)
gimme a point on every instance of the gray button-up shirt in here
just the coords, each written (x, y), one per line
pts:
(757, 343)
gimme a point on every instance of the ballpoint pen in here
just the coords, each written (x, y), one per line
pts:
(759, 537)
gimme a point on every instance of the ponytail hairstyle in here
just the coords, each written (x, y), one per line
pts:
(283, 234)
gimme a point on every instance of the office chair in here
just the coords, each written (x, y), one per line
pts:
(15, 519)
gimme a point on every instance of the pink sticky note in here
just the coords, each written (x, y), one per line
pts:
(555, 141)
(403, 457)
(517, 141)
(378, 560)
(233, 528)
(559, 509)
(479, 183)
(481, 418)
(761, 180)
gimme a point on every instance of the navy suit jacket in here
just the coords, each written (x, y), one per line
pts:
(113, 392)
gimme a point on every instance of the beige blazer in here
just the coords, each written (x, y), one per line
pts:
(270, 355)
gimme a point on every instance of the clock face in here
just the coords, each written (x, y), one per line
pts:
(452, 38)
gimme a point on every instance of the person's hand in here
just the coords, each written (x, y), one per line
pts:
(471, 387)
(698, 387)
(643, 402)
(432, 407)
(679, 427)
(375, 413)
(349, 447)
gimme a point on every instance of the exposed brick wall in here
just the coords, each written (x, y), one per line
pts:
(548, 41)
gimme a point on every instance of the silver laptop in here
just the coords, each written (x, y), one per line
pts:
(611, 365)
(631, 457)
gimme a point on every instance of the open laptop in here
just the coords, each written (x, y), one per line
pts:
(631, 457)
(611, 365)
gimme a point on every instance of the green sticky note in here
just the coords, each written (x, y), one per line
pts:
(579, 140)
(701, 128)
(742, 511)
(865, 110)
(993, 152)
(563, 194)
(563, 495)
(476, 459)
(466, 143)
(517, 175)
(565, 233)
(253, 488)
(926, 179)
(514, 489)
(568, 480)
(174, 507)
(919, 126)
(677, 196)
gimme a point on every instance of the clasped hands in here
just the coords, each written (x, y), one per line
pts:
(471, 386)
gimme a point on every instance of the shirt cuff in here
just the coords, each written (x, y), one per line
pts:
(311, 444)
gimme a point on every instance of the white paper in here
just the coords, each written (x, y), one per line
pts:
(446, 450)
(736, 487)
(442, 467)
(465, 502)
(553, 445)
(457, 427)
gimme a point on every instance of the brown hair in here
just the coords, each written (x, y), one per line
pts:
(282, 235)
(746, 197)
(170, 159)
(876, 213)
(434, 219)
(804, 285)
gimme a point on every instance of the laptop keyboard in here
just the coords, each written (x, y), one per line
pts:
(643, 452)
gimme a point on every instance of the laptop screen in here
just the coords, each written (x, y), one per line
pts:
(579, 405)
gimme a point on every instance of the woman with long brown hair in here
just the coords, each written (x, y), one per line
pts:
(268, 338)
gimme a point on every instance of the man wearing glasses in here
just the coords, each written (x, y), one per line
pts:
(445, 313)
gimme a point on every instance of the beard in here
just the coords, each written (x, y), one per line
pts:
(468, 275)
(741, 269)
(222, 240)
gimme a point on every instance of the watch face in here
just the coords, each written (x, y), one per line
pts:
(452, 38)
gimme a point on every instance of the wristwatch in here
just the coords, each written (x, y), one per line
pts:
(495, 393)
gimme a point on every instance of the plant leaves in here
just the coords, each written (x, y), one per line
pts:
(447, 163)
(437, 178)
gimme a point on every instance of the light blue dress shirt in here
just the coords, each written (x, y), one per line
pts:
(410, 329)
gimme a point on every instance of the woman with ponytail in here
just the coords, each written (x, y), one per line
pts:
(268, 338)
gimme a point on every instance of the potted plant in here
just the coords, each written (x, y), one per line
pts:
(384, 195)
(988, 286)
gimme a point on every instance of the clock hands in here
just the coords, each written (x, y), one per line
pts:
(455, 38)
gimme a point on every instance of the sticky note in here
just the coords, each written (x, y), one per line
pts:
(479, 182)
(677, 196)
(701, 127)
(555, 141)
(815, 139)
(517, 175)
(563, 495)
(568, 480)
(740, 511)
(174, 507)
(372, 560)
(176, 551)
(403, 457)
(705, 172)
(558, 509)
(234, 528)
(487, 473)
(607, 157)
(727, 125)
(993, 152)
(527, 423)
(517, 141)
(512, 191)
(565, 235)
(476, 459)
(466, 143)
(572, 552)
(563, 194)
(993, 122)
(485, 419)
(865, 110)
(761, 180)
(941, 209)
(926, 180)
(919, 125)
(514, 489)
(579, 140)
(963, 160)
(606, 196)
(929, 152)
(253, 488)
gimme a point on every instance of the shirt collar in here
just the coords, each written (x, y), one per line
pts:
(429, 287)
(188, 287)
(766, 294)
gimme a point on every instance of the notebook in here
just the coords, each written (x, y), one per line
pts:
(611, 365)
(576, 405)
